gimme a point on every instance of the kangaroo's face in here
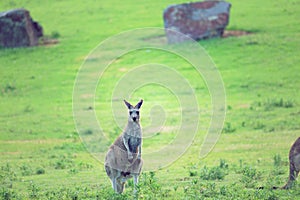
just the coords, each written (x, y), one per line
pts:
(134, 111)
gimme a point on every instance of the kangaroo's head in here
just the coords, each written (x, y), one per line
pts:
(134, 111)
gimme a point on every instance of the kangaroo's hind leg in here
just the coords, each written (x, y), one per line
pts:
(135, 181)
(115, 175)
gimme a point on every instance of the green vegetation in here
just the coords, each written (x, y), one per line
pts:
(42, 156)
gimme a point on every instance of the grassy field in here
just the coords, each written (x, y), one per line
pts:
(43, 157)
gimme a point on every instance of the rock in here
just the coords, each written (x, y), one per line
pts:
(198, 20)
(17, 29)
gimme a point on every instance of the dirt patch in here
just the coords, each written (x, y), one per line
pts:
(45, 41)
(162, 39)
(234, 33)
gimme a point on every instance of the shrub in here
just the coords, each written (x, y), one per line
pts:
(228, 128)
(7, 175)
(249, 176)
(26, 170)
(213, 173)
(40, 171)
(149, 187)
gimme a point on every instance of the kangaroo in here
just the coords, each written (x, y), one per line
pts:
(294, 157)
(123, 159)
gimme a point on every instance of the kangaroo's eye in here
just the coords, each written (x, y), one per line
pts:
(130, 112)
(137, 112)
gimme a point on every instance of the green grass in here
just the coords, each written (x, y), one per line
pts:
(42, 156)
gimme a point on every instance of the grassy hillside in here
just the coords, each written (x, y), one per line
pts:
(42, 155)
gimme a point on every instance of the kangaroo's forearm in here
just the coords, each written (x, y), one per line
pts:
(125, 141)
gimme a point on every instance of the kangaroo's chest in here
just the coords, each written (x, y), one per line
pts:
(134, 143)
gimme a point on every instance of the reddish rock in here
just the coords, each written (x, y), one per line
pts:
(17, 29)
(198, 20)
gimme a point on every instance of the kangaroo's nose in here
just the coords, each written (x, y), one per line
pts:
(134, 118)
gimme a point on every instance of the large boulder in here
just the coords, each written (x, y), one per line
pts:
(198, 20)
(17, 29)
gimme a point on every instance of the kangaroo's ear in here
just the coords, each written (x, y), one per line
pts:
(129, 106)
(139, 104)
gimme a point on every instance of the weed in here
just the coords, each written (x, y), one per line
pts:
(193, 170)
(270, 104)
(175, 187)
(83, 165)
(9, 87)
(250, 172)
(88, 132)
(243, 124)
(278, 103)
(149, 187)
(228, 128)
(7, 194)
(28, 109)
(257, 125)
(40, 171)
(6, 168)
(241, 163)
(69, 147)
(63, 163)
(33, 191)
(278, 171)
(213, 173)
(223, 164)
(26, 170)
(73, 171)
(199, 190)
(269, 129)
(278, 163)
(55, 35)
(7, 176)
(249, 176)
(277, 160)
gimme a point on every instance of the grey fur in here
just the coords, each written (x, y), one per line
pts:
(294, 158)
(123, 159)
